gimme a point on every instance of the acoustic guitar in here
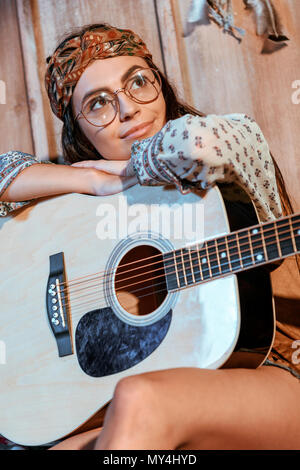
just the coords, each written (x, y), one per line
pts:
(95, 289)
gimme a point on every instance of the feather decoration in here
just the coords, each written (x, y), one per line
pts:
(220, 11)
(197, 15)
(267, 19)
(268, 24)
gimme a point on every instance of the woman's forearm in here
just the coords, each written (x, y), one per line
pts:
(40, 180)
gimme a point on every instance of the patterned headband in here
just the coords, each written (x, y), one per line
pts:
(71, 58)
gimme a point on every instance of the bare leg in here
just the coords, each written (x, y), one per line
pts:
(204, 409)
(82, 441)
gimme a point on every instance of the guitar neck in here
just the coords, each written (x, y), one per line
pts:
(244, 249)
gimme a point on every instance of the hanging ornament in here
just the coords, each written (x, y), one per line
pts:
(197, 15)
(268, 24)
(219, 11)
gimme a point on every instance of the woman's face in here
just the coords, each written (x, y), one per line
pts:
(110, 141)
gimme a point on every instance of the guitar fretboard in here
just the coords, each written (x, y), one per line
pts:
(243, 249)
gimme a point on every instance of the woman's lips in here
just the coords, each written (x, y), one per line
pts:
(137, 131)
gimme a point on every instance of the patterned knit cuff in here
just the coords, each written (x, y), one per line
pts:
(148, 169)
(12, 164)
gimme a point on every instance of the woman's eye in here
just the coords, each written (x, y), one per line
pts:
(138, 82)
(97, 103)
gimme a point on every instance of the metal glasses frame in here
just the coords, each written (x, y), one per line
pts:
(116, 103)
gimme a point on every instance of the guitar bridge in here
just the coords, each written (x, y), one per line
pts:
(56, 305)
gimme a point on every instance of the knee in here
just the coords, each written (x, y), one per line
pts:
(134, 390)
(134, 398)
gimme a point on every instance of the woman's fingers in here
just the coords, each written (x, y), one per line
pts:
(88, 164)
(129, 181)
(121, 184)
(108, 184)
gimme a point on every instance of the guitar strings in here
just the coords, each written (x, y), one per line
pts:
(85, 303)
(93, 301)
(191, 252)
(69, 285)
(89, 277)
(204, 270)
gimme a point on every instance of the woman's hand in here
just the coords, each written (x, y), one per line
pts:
(110, 176)
(105, 184)
(122, 168)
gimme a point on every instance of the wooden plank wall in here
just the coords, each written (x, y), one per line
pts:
(225, 76)
(211, 69)
(15, 128)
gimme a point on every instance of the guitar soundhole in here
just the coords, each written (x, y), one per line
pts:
(140, 283)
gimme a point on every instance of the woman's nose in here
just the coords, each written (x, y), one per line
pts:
(127, 107)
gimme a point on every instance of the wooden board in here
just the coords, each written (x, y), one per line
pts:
(15, 129)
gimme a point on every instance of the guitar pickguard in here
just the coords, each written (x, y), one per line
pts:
(106, 345)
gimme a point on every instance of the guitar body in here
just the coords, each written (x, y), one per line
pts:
(47, 392)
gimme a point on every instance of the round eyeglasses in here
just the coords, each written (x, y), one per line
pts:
(142, 86)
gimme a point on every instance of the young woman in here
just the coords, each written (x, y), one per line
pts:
(124, 125)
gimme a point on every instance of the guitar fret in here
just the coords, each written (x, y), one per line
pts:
(218, 257)
(239, 249)
(264, 243)
(257, 245)
(199, 262)
(171, 271)
(245, 248)
(284, 236)
(223, 255)
(179, 264)
(213, 259)
(203, 262)
(293, 235)
(233, 253)
(197, 271)
(188, 272)
(175, 264)
(277, 240)
(208, 260)
(272, 241)
(228, 254)
(250, 245)
(296, 231)
(191, 263)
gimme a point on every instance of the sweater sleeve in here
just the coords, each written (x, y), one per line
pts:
(11, 164)
(196, 152)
